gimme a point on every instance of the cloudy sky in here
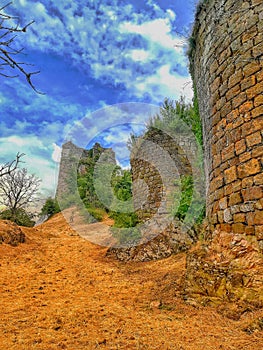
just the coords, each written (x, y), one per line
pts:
(92, 54)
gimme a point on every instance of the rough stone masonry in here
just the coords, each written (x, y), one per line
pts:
(227, 69)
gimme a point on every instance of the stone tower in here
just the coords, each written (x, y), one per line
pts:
(227, 68)
(226, 60)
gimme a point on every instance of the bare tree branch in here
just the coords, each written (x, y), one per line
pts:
(9, 167)
(8, 53)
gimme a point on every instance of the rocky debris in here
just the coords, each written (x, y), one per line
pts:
(11, 233)
(256, 325)
(229, 269)
(154, 246)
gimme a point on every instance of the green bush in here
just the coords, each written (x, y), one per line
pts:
(50, 207)
(19, 216)
(97, 213)
(124, 220)
(188, 199)
(126, 236)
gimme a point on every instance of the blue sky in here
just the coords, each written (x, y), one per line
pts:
(92, 54)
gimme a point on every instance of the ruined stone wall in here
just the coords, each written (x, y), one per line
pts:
(227, 68)
(68, 168)
(74, 161)
(156, 164)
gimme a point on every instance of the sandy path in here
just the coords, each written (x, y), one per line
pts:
(58, 291)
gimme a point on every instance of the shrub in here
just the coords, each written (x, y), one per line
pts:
(19, 216)
(50, 207)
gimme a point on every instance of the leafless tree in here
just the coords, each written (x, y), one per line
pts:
(8, 53)
(18, 190)
(9, 167)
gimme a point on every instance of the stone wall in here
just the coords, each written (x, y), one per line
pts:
(68, 168)
(156, 164)
(74, 160)
(227, 68)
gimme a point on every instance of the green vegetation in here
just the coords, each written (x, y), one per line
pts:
(179, 118)
(174, 115)
(187, 196)
(50, 207)
(19, 216)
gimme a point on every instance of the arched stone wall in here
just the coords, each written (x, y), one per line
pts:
(226, 61)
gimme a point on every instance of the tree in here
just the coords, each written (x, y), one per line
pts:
(8, 168)
(50, 207)
(8, 52)
(18, 190)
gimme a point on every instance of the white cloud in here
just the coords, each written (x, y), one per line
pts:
(163, 83)
(140, 55)
(171, 14)
(56, 155)
(155, 31)
(110, 42)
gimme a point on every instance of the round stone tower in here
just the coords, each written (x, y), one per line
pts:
(226, 61)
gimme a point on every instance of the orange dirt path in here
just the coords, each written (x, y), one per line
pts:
(58, 291)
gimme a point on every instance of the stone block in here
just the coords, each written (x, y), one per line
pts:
(238, 228)
(240, 217)
(258, 219)
(257, 50)
(259, 232)
(251, 68)
(248, 82)
(254, 139)
(257, 151)
(235, 198)
(228, 216)
(254, 90)
(258, 101)
(223, 203)
(235, 78)
(247, 182)
(228, 152)
(258, 179)
(251, 167)
(256, 112)
(244, 157)
(215, 85)
(246, 107)
(240, 147)
(251, 194)
(250, 230)
(230, 174)
(239, 99)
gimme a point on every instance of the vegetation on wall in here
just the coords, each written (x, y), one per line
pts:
(179, 118)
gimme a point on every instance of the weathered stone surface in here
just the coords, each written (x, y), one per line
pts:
(229, 90)
(11, 233)
(228, 269)
(171, 240)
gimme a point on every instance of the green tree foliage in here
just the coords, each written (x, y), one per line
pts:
(187, 197)
(50, 207)
(19, 216)
(122, 184)
(178, 118)
(173, 113)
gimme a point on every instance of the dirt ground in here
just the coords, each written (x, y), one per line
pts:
(58, 291)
